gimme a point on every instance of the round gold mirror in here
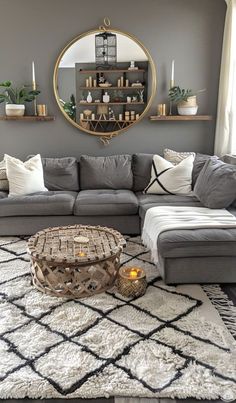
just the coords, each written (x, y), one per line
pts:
(104, 81)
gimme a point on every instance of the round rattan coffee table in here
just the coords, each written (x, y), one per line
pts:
(75, 261)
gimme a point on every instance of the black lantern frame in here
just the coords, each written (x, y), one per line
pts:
(105, 50)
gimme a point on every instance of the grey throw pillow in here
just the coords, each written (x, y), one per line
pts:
(198, 164)
(111, 172)
(141, 167)
(216, 184)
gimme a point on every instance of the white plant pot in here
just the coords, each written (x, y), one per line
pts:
(15, 110)
(187, 111)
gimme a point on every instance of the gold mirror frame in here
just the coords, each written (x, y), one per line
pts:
(105, 136)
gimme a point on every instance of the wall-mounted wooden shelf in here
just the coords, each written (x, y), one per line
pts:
(180, 118)
(138, 87)
(112, 71)
(111, 103)
(28, 118)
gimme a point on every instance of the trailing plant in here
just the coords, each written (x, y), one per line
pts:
(70, 107)
(16, 95)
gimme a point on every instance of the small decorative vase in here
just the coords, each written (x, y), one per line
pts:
(106, 98)
(89, 97)
(15, 110)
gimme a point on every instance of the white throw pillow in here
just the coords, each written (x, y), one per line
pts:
(4, 185)
(167, 178)
(24, 177)
(175, 157)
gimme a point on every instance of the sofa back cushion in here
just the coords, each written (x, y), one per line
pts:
(216, 184)
(141, 166)
(61, 173)
(198, 164)
(111, 172)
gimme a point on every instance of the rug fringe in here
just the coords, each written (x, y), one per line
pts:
(224, 306)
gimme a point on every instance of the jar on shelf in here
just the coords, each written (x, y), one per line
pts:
(89, 97)
(106, 98)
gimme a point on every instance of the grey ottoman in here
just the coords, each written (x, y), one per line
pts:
(198, 256)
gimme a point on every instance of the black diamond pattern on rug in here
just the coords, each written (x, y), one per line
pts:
(67, 347)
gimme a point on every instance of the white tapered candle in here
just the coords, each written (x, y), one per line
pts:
(33, 73)
(173, 71)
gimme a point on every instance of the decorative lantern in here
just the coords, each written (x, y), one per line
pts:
(105, 50)
(131, 282)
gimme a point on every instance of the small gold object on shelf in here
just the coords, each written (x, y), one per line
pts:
(87, 113)
(161, 110)
(131, 282)
(42, 110)
(127, 115)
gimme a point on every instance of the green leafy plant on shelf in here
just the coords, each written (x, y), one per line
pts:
(70, 107)
(177, 94)
(17, 96)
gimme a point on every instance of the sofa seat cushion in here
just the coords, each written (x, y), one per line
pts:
(37, 204)
(197, 242)
(147, 201)
(106, 202)
(3, 195)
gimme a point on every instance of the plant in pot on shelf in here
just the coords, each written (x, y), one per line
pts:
(15, 98)
(186, 100)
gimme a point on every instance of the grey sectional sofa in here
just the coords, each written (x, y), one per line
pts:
(108, 191)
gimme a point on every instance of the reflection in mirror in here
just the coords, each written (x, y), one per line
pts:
(102, 82)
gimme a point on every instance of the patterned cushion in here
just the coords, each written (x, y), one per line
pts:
(175, 157)
(4, 185)
(167, 178)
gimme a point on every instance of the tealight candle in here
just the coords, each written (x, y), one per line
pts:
(81, 254)
(133, 273)
(131, 282)
(82, 241)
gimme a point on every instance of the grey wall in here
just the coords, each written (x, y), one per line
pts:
(189, 31)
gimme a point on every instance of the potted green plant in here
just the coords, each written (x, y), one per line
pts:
(186, 100)
(15, 98)
(70, 107)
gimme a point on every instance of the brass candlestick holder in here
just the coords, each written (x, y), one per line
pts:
(172, 84)
(35, 102)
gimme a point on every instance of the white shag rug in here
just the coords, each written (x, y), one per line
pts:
(159, 345)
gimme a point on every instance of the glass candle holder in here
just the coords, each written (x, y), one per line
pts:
(131, 282)
(83, 243)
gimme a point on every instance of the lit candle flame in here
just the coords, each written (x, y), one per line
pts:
(81, 254)
(133, 273)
